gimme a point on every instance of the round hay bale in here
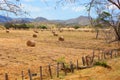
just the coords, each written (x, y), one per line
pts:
(36, 31)
(61, 30)
(34, 35)
(61, 38)
(55, 34)
(7, 31)
(31, 43)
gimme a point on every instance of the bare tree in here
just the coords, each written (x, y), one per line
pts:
(12, 6)
(107, 12)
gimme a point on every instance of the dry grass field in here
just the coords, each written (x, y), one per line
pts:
(16, 56)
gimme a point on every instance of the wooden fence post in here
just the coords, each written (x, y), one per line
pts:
(83, 60)
(6, 76)
(77, 64)
(29, 73)
(40, 72)
(71, 67)
(50, 71)
(104, 55)
(22, 75)
(64, 68)
(116, 53)
(111, 54)
(58, 69)
(86, 57)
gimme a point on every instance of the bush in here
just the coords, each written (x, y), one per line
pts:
(76, 27)
(42, 27)
(103, 64)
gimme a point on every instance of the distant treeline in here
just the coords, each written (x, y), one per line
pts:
(23, 26)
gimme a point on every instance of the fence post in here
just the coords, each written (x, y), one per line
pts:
(104, 55)
(6, 76)
(58, 69)
(77, 65)
(71, 67)
(29, 73)
(64, 68)
(83, 60)
(40, 72)
(116, 53)
(86, 57)
(22, 75)
(111, 54)
(50, 71)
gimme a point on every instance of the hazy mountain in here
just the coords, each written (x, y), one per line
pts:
(82, 20)
(40, 19)
(4, 19)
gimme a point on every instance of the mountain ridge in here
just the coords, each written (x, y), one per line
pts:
(81, 20)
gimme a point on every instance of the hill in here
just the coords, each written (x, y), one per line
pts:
(81, 20)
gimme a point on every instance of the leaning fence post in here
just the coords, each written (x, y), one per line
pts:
(71, 67)
(29, 73)
(6, 76)
(64, 68)
(83, 61)
(22, 75)
(58, 69)
(50, 71)
(40, 72)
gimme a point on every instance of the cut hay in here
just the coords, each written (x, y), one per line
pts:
(7, 31)
(30, 43)
(61, 38)
(35, 35)
(55, 34)
(36, 31)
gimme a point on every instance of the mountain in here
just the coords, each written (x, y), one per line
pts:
(21, 20)
(40, 19)
(4, 19)
(81, 20)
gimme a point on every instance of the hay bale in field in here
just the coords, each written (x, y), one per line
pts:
(34, 35)
(61, 30)
(7, 31)
(31, 43)
(36, 31)
(61, 38)
(55, 34)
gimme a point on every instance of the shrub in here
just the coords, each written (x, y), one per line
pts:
(103, 64)
(42, 27)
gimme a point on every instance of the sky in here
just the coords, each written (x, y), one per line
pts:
(51, 10)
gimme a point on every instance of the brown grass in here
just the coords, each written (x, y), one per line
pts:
(15, 56)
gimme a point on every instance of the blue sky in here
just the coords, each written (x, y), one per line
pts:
(51, 10)
(46, 8)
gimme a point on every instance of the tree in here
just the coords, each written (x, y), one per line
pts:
(12, 6)
(107, 12)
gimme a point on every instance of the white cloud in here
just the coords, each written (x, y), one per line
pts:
(73, 8)
(28, 0)
(31, 8)
(78, 8)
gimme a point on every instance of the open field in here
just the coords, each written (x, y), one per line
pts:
(16, 56)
